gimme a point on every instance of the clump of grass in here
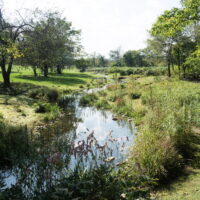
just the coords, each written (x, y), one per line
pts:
(135, 95)
(88, 99)
(52, 95)
(41, 108)
(46, 94)
(102, 103)
(52, 110)
(102, 93)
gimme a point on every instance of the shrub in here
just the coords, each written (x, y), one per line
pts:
(52, 110)
(52, 95)
(33, 94)
(41, 108)
(155, 155)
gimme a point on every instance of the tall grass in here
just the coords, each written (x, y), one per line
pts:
(166, 111)
(45, 173)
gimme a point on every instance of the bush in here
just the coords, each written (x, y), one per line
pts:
(41, 108)
(52, 95)
(51, 110)
(33, 94)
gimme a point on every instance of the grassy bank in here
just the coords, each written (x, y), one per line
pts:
(27, 102)
(167, 114)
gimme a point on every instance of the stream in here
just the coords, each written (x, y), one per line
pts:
(81, 123)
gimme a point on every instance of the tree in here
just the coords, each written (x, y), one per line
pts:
(135, 58)
(167, 26)
(102, 61)
(10, 36)
(193, 63)
(52, 42)
(115, 56)
(82, 64)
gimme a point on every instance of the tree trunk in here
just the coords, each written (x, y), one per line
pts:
(173, 66)
(168, 68)
(35, 71)
(45, 71)
(6, 79)
(184, 70)
(59, 69)
(5, 74)
(179, 63)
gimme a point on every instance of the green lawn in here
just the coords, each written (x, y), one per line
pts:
(70, 79)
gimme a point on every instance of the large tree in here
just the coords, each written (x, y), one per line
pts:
(115, 56)
(51, 43)
(135, 58)
(10, 36)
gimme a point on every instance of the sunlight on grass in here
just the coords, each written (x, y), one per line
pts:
(70, 79)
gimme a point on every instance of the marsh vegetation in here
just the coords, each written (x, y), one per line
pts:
(90, 127)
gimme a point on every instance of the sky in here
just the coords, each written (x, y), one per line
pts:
(105, 24)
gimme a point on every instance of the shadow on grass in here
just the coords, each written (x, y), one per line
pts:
(190, 167)
(69, 79)
(19, 92)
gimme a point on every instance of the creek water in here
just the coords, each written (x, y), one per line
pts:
(80, 122)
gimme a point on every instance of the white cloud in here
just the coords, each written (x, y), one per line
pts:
(105, 24)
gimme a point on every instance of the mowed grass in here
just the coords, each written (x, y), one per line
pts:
(70, 79)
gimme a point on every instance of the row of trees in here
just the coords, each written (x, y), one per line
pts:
(47, 41)
(131, 58)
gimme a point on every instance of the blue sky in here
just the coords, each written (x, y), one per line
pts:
(105, 24)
